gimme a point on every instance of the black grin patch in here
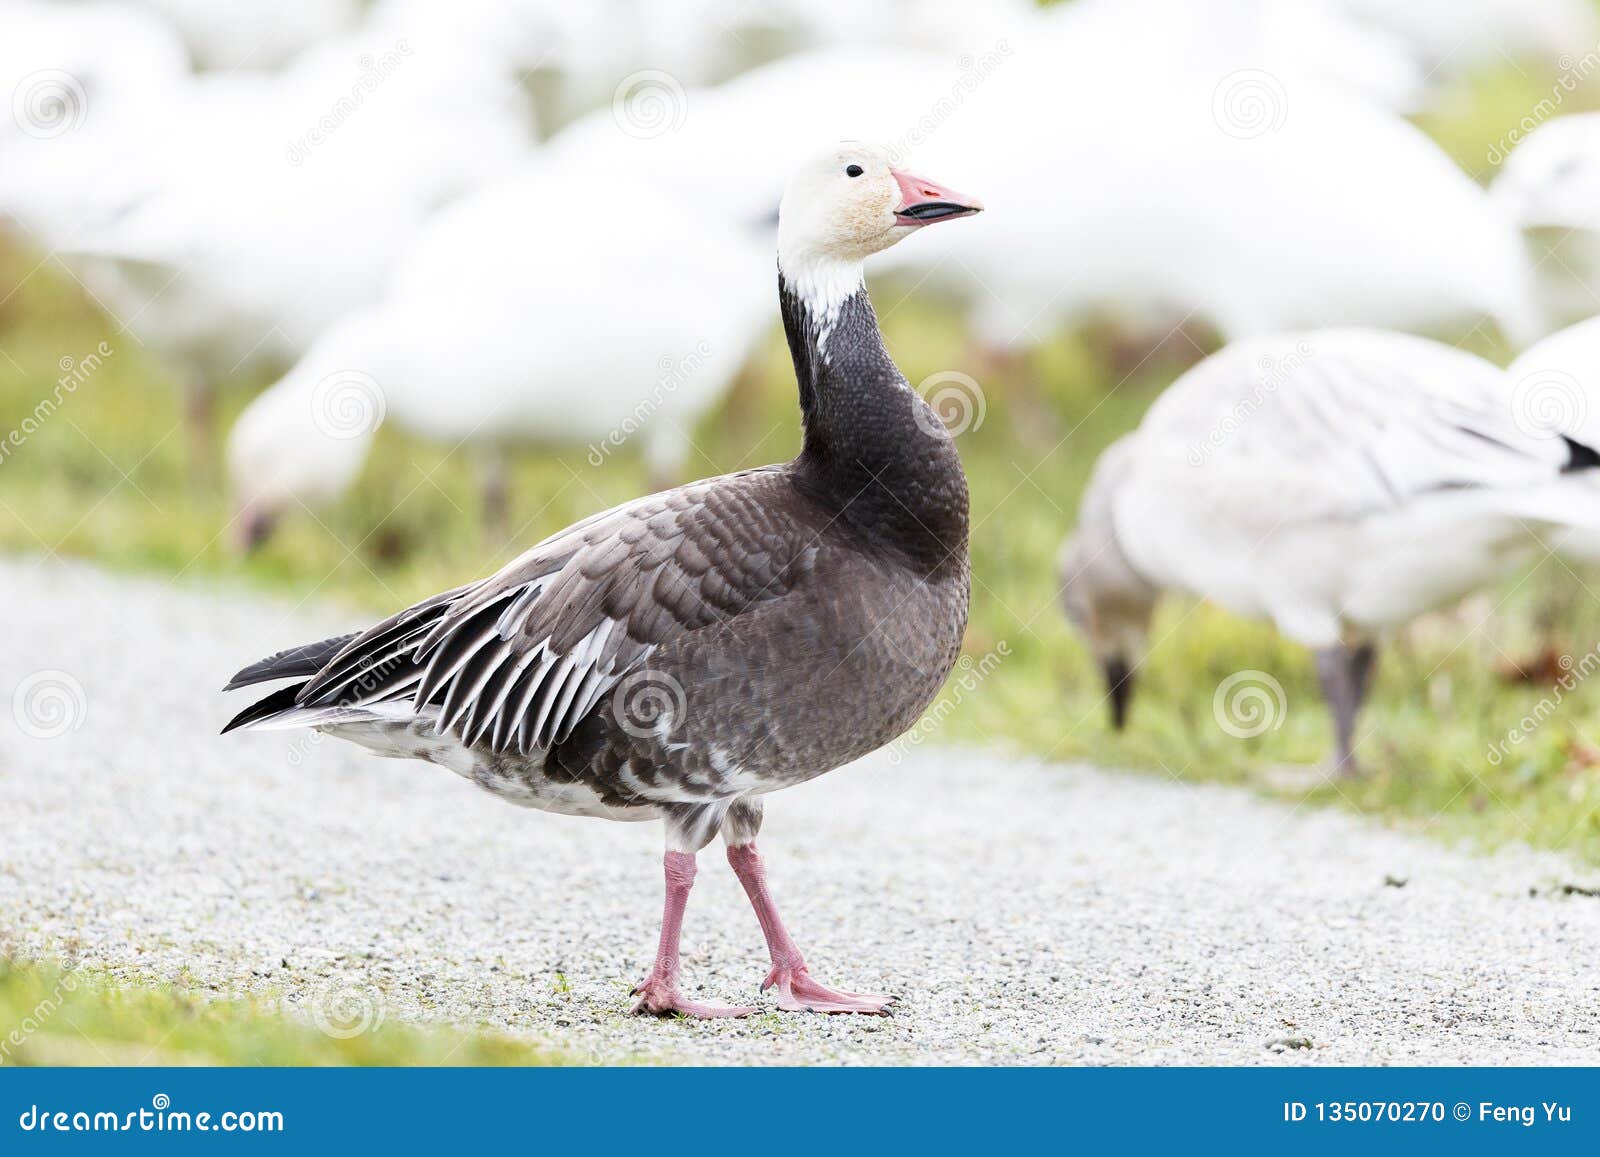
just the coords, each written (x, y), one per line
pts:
(935, 211)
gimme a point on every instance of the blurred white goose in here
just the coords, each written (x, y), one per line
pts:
(595, 55)
(1552, 177)
(1212, 172)
(1212, 192)
(267, 205)
(1336, 482)
(556, 306)
(1556, 380)
(676, 138)
(1550, 185)
(1451, 38)
(254, 33)
(83, 81)
(1555, 384)
(112, 55)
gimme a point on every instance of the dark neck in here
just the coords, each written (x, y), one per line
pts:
(875, 453)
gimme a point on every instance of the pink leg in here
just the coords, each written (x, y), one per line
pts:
(797, 992)
(658, 992)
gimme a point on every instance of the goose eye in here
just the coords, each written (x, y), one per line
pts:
(853, 170)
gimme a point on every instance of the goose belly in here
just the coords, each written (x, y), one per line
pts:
(518, 779)
(1421, 559)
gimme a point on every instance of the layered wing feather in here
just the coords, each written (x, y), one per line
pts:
(1343, 423)
(516, 661)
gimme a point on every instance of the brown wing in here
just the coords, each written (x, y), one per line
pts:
(517, 660)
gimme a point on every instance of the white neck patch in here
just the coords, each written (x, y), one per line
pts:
(823, 284)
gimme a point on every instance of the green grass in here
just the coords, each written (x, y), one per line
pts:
(56, 1017)
(410, 529)
(1443, 697)
(1479, 118)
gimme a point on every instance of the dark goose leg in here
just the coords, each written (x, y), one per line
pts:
(797, 992)
(1344, 673)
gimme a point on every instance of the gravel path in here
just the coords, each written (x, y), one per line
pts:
(1024, 913)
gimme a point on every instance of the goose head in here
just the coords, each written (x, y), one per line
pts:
(1105, 597)
(851, 202)
(1111, 607)
(1552, 179)
(291, 450)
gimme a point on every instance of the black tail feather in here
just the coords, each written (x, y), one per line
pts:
(1579, 456)
(280, 700)
(295, 663)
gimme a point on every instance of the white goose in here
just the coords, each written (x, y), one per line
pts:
(1549, 184)
(555, 307)
(1452, 38)
(1210, 190)
(82, 81)
(678, 144)
(254, 33)
(1336, 482)
(1214, 167)
(1555, 383)
(265, 206)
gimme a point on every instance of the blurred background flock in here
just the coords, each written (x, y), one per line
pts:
(357, 300)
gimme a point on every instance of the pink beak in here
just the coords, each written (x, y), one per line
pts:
(922, 202)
